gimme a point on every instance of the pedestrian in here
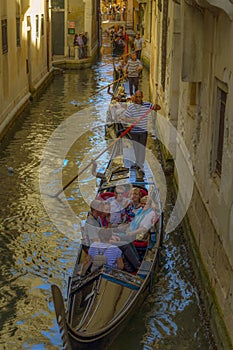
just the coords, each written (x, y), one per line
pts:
(85, 39)
(139, 133)
(138, 45)
(121, 67)
(76, 40)
(80, 46)
(132, 70)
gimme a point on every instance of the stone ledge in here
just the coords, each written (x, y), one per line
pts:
(71, 63)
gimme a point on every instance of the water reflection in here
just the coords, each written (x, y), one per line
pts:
(34, 254)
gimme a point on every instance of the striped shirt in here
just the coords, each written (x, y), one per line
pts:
(131, 68)
(111, 252)
(135, 111)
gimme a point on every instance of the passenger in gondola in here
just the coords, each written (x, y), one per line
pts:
(116, 111)
(120, 31)
(118, 45)
(143, 221)
(111, 33)
(118, 205)
(106, 214)
(132, 209)
(121, 93)
(93, 222)
(121, 67)
(111, 254)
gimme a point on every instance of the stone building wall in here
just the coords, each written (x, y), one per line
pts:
(25, 64)
(81, 16)
(191, 77)
(25, 67)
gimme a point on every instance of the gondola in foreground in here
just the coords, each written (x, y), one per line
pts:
(100, 303)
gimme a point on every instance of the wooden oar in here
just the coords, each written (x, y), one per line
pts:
(105, 87)
(107, 148)
(120, 57)
(76, 103)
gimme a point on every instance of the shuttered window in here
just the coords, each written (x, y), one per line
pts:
(18, 32)
(42, 25)
(222, 97)
(37, 26)
(4, 36)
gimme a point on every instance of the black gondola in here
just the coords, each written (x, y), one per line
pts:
(100, 303)
(118, 46)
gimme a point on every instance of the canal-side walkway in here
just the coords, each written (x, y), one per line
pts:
(63, 62)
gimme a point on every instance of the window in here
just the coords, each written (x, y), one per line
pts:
(222, 97)
(37, 26)
(58, 4)
(4, 36)
(164, 43)
(17, 31)
(219, 126)
(42, 25)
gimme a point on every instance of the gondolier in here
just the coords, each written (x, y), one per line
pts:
(139, 133)
(139, 43)
(132, 70)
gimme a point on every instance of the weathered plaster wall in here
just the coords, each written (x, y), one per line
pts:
(84, 14)
(199, 58)
(17, 82)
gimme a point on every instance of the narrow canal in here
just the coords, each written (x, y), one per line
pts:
(35, 254)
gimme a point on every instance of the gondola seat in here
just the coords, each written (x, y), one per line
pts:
(106, 195)
(142, 190)
(141, 247)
